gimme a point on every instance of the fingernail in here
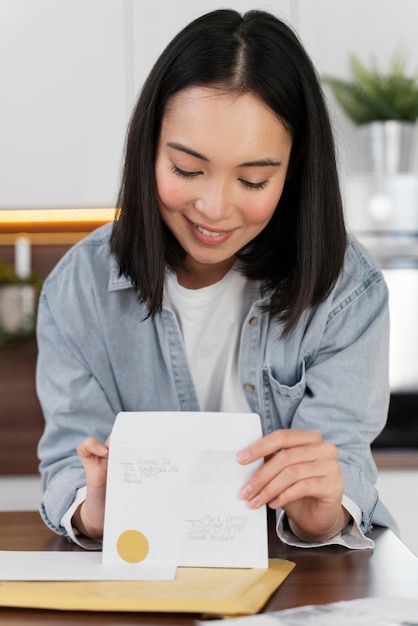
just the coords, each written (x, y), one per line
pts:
(243, 456)
(245, 491)
(254, 503)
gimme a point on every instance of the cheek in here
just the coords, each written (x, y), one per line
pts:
(260, 211)
(170, 192)
(267, 205)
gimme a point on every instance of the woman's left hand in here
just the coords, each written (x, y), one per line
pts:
(302, 475)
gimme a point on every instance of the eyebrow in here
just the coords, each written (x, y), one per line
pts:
(258, 163)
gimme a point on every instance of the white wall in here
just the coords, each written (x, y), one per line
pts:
(165, 18)
(70, 71)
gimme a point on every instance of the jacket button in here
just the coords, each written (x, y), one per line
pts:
(249, 388)
(253, 321)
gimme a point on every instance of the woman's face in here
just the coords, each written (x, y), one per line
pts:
(220, 169)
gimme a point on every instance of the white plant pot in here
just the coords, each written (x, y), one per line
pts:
(17, 308)
(387, 147)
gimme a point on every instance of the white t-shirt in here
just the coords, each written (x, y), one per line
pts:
(211, 320)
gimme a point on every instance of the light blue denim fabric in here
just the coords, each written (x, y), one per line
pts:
(98, 356)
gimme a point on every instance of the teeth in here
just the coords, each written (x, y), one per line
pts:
(209, 233)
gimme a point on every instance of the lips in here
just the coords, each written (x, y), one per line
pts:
(209, 233)
(207, 236)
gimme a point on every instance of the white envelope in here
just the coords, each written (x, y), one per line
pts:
(173, 493)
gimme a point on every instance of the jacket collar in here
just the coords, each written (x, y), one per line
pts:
(117, 282)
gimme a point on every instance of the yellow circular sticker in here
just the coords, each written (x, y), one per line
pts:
(132, 546)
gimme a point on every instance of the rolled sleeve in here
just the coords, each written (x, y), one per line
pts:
(350, 537)
(73, 533)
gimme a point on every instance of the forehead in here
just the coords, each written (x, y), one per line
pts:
(210, 117)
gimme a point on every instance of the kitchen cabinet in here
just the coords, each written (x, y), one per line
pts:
(71, 71)
(63, 106)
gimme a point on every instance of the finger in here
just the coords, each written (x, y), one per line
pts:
(92, 447)
(275, 441)
(275, 477)
(262, 489)
(327, 486)
(276, 465)
(285, 463)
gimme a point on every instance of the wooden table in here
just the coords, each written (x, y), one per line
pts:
(321, 575)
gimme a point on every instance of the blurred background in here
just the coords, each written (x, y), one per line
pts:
(70, 73)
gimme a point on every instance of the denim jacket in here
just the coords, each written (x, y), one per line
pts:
(98, 355)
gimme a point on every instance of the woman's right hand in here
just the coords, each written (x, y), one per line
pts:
(89, 517)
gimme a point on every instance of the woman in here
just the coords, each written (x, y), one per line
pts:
(227, 283)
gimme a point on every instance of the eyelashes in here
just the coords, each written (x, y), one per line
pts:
(189, 175)
(184, 174)
(250, 185)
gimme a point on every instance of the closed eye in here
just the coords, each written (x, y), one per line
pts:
(183, 173)
(251, 185)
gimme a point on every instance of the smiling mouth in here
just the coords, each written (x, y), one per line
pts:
(208, 233)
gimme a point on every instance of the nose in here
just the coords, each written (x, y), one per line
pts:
(216, 201)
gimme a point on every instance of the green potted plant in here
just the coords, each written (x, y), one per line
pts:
(385, 108)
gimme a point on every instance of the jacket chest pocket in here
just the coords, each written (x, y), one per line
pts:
(282, 399)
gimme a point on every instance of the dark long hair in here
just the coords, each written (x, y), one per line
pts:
(300, 253)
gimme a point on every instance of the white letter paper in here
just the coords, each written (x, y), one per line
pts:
(173, 493)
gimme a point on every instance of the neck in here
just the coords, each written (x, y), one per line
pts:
(198, 275)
